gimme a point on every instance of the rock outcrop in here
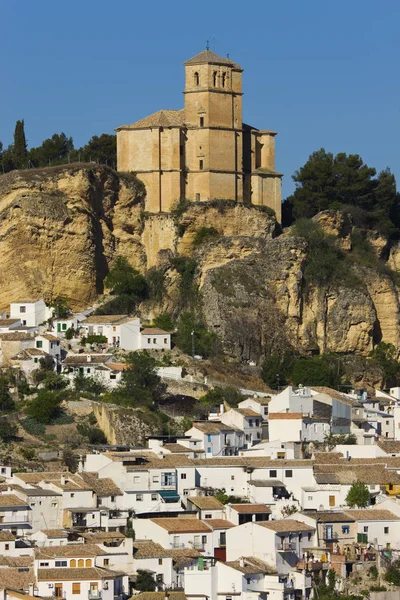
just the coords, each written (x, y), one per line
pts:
(61, 228)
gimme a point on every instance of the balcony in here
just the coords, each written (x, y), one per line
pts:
(287, 547)
(177, 546)
(94, 595)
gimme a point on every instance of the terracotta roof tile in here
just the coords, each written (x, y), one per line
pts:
(101, 486)
(285, 525)
(15, 578)
(206, 502)
(160, 596)
(181, 525)
(162, 118)
(148, 549)
(210, 57)
(250, 508)
(251, 566)
(219, 523)
(108, 319)
(154, 331)
(372, 514)
(11, 500)
(284, 416)
(84, 574)
(69, 551)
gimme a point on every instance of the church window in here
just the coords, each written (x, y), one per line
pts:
(201, 121)
(223, 79)
(196, 79)
(201, 165)
(197, 197)
(215, 79)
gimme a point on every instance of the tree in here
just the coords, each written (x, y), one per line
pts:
(392, 574)
(326, 182)
(124, 279)
(385, 355)
(275, 369)
(7, 404)
(140, 384)
(164, 321)
(60, 306)
(8, 431)
(20, 152)
(94, 434)
(145, 582)
(45, 407)
(358, 495)
(101, 149)
(203, 342)
(311, 371)
(53, 150)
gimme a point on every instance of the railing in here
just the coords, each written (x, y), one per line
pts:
(94, 595)
(287, 547)
(177, 546)
(198, 546)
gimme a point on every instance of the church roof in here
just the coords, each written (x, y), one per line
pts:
(207, 56)
(161, 118)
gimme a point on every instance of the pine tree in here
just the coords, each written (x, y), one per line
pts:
(20, 151)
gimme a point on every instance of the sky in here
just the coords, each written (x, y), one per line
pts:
(321, 74)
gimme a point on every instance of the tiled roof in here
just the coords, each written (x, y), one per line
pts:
(285, 525)
(162, 118)
(69, 551)
(55, 533)
(206, 502)
(117, 366)
(8, 322)
(255, 462)
(266, 483)
(100, 536)
(21, 562)
(107, 319)
(251, 566)
(259, 400)
(213, 426)
(82, 359)
(336, 395)
(219, 523)
(250, 508)
(181, 525)
(373, 514)
(160, 596)
(210, 57)
(347, 473)
(7, 536)
(101, 486)
(15, 578)
(148, 549)
(334, 517)
(183, 556)
(247, 412)
(33, 478)
(15, 337)
(177, 448)
(11, 500)
(49, 337)
(284, 416)
(154, 331)
(390, 447)
(66, 574)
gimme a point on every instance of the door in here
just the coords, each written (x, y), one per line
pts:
(331, 500)
(94, 590)
(58, 590)
(329, 532)
(58, 326)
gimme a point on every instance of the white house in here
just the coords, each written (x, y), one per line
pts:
(377, 526)
(15, 514)
(32, 313)
(28, 360)
(121, 331)
(153, 558)
(257, 404)
(207, 507)
(216, 438)
(176, 532)
(297, 427)
(9, 325)
(292, 400)
(246, 420)
(50, 344)
(153, 338)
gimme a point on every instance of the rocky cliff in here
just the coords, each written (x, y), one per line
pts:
(62, 227)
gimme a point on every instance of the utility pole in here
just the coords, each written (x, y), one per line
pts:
(192, 334)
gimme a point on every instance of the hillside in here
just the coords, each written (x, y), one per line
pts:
(62, 227)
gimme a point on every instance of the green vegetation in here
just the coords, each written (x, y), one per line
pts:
(385, 355)
(275, 369)
(188, 290)
(331, 440)
(204, 235)
(33, 426)
(89, 384)
(334, 182)
(312, 371)
(156, 285)
(224, 498)
(358, 495)
(219, 395)
(180, 208)
(19, 150)
(45, 406)
(140, 384)
(202, 342)
(60, 306)
(7, 404)
(145, 582)
(164, 321)
(94, 339)
(8, 431)
(392, 574)
(128, 288)
(94, 435)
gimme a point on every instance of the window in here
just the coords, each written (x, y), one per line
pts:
(215, 79)
(72, 563)
(149, 340)
(81, 563)
(201, 121)
(36, 360)
(154, 497)
(250, 423)
(209, 438)
(197, 197)
(208, 516)
(72, 495)
(160, 561)
(387, 422)
(114, 329)
(346, 529)
(88, 370)
(154, 340)
(139, 497)
(33, 503)
(112, 498)
(165, 340)
(196, 79)
(76, 588)
(183, 475)
(232, 478)
(106, 562)
(223, 79)
(209, 450)
(309, 537)
(201, 164)
(22, 309)
(44, 564)
(64, 326)
(289, 473)
(156, 479)
(136, 479)
(54, 505)
(204, 539)
(386, 530)
(6, 546)
(310, 497)
(39, 344)
(272, 473)
(61, 563)
(332, 500)
(222, 538)
(365, 529)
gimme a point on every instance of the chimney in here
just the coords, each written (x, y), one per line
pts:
(89, 358)
(242, 563)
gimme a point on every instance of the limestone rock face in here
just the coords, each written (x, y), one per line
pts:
(62, 228)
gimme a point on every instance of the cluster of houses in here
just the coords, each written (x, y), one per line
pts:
(196, 524)
(30, 332)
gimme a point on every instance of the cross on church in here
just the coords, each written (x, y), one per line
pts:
(207, 44)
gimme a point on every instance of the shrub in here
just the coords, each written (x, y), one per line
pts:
(45, 407)
(94, 434)
(156, 285)
(63, 419)
(204, 342)
(164, 321)
(145, 582)
(28, 453)
(180, 208)
(378, 588)
(188, 292)
(358, 495)
(392, 574)
(33, 426)
(69, 334)
(311, 371)
(124, 279)
(204, 235)
(8, 431)
(94, 339)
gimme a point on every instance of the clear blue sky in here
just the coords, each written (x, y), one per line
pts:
(320, 73)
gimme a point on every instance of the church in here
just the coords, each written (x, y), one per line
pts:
(203, 151)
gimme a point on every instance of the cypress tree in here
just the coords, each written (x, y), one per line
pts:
(20, 151)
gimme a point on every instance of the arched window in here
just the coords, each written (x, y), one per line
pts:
(215, 79)
(196, 79)
(72, 563)
(88, 562)
(223, 79)
(81, 562)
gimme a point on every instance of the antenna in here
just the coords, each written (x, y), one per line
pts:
(207, 44)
